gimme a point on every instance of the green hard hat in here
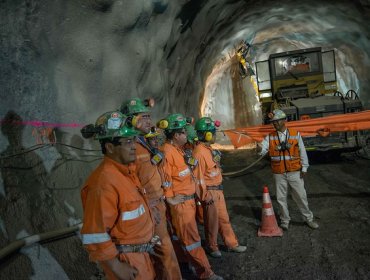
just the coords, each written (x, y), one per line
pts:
(113, 124)
(173, 121)
(136, 105)
(192, 134)
(205, 124)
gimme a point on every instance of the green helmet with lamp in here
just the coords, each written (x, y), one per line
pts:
(206, 124)
(206, 127)
(136, 105)
(172, 122)
(109, 125)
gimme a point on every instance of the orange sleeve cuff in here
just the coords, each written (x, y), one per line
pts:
(168, 192)
(102, 252)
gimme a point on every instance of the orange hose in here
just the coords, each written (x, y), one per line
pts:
(308, 127)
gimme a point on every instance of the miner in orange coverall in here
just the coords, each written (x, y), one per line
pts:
(179, 190)
(188, 150)
(118, 230)
(148, 166)
(216, 218)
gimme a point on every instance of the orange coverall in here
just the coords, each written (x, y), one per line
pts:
(178, 180)
(216, 218)
(199, 211)
(115, 213)
(165, 261)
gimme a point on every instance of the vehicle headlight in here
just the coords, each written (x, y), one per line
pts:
(265, 95)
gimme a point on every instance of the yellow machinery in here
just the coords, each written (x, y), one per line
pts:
(303, 84)
(245, 69)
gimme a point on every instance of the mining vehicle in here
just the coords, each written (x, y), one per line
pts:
(303, 83)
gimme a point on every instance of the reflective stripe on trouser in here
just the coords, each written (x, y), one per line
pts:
(185, 227)
(282, 183)
(165, 261)
(217, 221)
(141, 261)
(180, 254)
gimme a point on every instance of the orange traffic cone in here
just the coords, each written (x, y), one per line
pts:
(269, 225)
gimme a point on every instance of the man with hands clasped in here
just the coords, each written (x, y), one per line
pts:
(289, 163)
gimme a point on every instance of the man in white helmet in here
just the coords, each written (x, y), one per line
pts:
(289, 163)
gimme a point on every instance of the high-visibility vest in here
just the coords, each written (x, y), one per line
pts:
(288, 160)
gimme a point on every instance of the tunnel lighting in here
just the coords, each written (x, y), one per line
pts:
(265, 95)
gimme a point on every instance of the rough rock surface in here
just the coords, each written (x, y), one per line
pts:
(65, 62)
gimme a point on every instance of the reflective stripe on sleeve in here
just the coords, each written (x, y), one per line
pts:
(213, 174)
(130, 215)
(91, 238)
(184, 172)
(166, 184)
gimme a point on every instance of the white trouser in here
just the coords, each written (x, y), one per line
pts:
(282, 183)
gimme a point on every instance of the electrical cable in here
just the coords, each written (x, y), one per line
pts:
(236, 173)
(28, 150)
(32, 239)
(40, 146)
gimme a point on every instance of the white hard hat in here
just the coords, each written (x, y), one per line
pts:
(277, 115)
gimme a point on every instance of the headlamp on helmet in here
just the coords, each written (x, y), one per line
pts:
(136, 105)
(277, 115)
(189, 120)
(109, 125)
(172, 122)
(206, 128)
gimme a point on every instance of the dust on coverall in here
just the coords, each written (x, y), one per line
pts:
(165, 261)
(178, 180)
(216, 218)
(115, 213)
